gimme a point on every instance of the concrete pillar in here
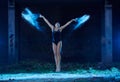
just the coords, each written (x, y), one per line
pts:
(12, 56)
(107, 35)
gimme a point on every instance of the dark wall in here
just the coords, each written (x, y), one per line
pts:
(3, 32)
(116, 31)
(81, 45)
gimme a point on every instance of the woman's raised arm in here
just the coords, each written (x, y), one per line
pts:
(49, 24)
(69, 22)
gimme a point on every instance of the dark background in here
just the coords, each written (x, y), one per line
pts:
(3, 32)
(116, 31)
(82, 45)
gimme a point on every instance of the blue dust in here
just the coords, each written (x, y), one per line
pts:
(31, 18)
(81, 20)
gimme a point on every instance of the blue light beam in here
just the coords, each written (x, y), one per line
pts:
(31, 18)
(81, 20)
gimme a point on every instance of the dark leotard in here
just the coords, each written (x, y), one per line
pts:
(56, 36)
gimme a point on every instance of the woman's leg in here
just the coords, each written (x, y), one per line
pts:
(55, 54)
(59, 47)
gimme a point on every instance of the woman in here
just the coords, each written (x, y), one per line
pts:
(57, 40)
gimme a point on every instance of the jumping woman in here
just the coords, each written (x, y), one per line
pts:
(57, 40)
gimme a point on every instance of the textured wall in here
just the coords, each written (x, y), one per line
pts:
(3, 32)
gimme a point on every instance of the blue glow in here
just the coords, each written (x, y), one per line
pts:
(1, 41)
(31, 18)
(117, 41)
(81, 20)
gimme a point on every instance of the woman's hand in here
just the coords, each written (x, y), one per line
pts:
(75, 19)
(41, 16)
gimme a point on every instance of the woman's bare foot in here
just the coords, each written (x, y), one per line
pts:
(58, 70)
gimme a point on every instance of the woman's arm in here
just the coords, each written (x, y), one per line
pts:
(69, 22)
(49, 24)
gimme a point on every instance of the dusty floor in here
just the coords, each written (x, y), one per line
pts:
(90, 75)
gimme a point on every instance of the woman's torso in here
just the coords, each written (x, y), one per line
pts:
(56, 35)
